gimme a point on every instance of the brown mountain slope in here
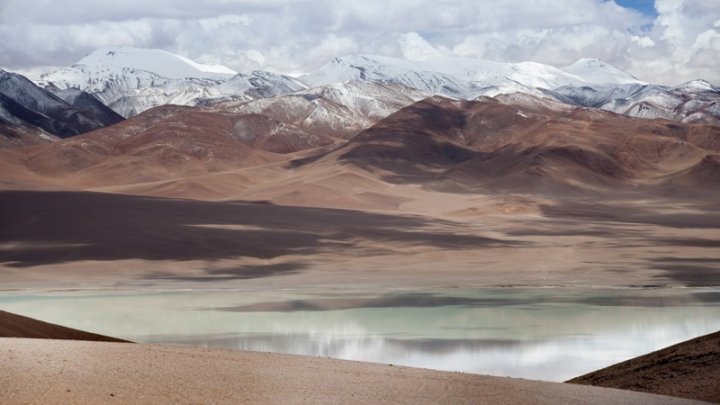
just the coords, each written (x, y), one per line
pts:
(689, 369)
(482, 146)
(705, 173)
(488, 145)
(18, 326)
(22, 135)
(164, 143)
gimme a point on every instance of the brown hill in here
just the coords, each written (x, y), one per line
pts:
(517, 144)
(704, 173)
(167, 150)
(23, 135)
(164, 143)
(489, 145)
(689, 369)
(18, 326)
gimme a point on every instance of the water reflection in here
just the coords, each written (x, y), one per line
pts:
(550, 334)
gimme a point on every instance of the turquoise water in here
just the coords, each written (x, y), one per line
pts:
(539, 333)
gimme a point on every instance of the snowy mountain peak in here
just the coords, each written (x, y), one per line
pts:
(130, 80)
(25, 92)
(430, 77)
(259, 84)
(24, 104)
(598, 72)
(157, 61)
(462, 77)
(694, 86)
(591, 63)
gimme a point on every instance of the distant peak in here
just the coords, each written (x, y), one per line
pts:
(364, 58)
(596, 71)
(590, 63)
(157, 61)
(697, 85)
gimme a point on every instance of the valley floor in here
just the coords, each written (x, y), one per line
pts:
(70, 240)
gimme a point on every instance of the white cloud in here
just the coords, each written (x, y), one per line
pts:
(643, 41)
(330, 47)
(686, 43)
(415, 47)
(682, 43)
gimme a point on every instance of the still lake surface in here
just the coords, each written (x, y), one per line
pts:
(539, 333)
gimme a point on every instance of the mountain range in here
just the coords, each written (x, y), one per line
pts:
(132, 80)
(368, 122)
(29, 113)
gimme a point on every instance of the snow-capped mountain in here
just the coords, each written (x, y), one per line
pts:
(381, 69)
(24, 104)
(191, 92)
(598, 72)
(259, 84)
(339, 110)
(87, 102)
(695, 101)
(132, 80)
(105, 64)
(466, 77)
(129, 95)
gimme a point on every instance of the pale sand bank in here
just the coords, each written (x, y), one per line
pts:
(55, 371)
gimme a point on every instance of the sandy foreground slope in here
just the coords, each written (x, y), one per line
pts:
(55, 371)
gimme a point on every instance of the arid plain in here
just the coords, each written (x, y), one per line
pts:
(418, 199)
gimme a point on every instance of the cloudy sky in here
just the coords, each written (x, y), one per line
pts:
(661, 41)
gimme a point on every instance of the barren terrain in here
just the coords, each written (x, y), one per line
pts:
(91, 372)
(690, 370)
(441, 193)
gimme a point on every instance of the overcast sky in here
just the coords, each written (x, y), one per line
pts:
(661, 41)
